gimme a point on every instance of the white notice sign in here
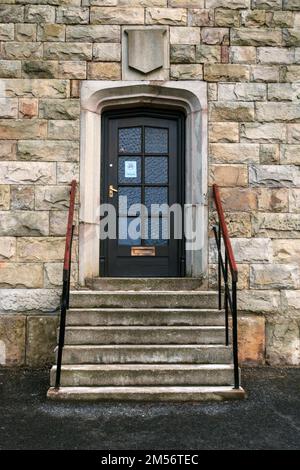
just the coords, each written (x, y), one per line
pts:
(130, 169)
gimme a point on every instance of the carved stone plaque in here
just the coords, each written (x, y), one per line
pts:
(145, 49)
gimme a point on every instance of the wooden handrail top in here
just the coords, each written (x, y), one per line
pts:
(224, 230)
(70, 226)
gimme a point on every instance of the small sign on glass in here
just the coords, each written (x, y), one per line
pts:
(130, 169)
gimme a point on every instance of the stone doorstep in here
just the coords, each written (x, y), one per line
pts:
(145, 284)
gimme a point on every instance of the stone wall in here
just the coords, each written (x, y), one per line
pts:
(248, 51)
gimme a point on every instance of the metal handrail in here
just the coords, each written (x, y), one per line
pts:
(64, 304)
(230, 297)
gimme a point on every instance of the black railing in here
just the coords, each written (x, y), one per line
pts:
(64, 304)
(227, 268)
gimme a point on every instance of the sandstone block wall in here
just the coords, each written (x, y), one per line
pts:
(248, 51)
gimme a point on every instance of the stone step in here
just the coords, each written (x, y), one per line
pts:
(145, 284)
(150, 394)
(145, 354)
(143, 299)
(86, 335)
(134, 316)
(146, 374)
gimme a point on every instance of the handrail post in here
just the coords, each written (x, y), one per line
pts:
(219, 268)
(226, 301)
(235, 334)
(61, 338)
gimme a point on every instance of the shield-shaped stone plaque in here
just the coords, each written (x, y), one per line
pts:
(145, 49)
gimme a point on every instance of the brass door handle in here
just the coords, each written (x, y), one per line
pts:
(111, 190)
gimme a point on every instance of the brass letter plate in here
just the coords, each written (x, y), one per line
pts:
(143, 251)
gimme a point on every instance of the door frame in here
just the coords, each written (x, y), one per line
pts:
(140, 111)
(96, 96)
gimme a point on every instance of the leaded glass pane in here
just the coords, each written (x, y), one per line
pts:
(130, 140)
(156, 140)
(133, 196)
(129, 231)
(156, 170)
(156, 196)
(129, 169)
(157, 231)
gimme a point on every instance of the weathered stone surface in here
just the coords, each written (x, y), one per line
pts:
(72, 69)
(28, 108)
(33, 300)
(264, 73)
(106, 15)
(22, 50)
(271, 112)
(63, 130)
(66, 172)
(39, 14)
(274, 276)
(259, 301)
(291, 300)
(257, 132)
(232, 111)
(251, 340)
(215, 36)
(291, 37)
(256, 37)
(104, 71)
(212, 92)
(284, 91)
(243, 276)
(40, 69)
(8, 248)
(242, 54)
(93, 33)
(182, 54)
(72, 15)
(234, 4)
(286, 251)
(252, 250)
(290, 154)
(52, 197)
(40, 249)
(41, 340)
(10, 69)
(176, 16)
(186, 72)
(234, 153)
(224, 132)
(184, 3)
(269, 154)
(282, 342)
(27, 173)
(68, 51)
(267, 4)
(51, 150)
(200, 17)
(22, 197)
(4, 197)
(22, 129)
(187, 35)
(7, 150)
(283, 19)
(107, 52)
(11, 13)
(276, 225)
(242, 92)
(275, 55)
(273, 200)
(239, 199)
(228, 175)
(53, 274)
(294, 200)
(27, 275)
(274, 176)
(37, 88)
(291, 5)
(59, 109)
(293, 133)
(208, 54)
(12, 340)
(58, 223)
(254, 18)
(7, 32)
(8, 108)
(227, 18)
(51, 32)
(238, 224)
(23, 223)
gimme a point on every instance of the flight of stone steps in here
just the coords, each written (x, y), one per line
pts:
(145, 339)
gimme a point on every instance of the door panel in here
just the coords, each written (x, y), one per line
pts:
(143, 164)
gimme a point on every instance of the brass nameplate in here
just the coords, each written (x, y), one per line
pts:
(143, 251)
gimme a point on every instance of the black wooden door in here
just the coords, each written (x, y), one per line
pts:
(143, 164)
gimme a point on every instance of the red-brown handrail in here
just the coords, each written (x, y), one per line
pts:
(67, 256)
(227, 242)
(64, 303)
